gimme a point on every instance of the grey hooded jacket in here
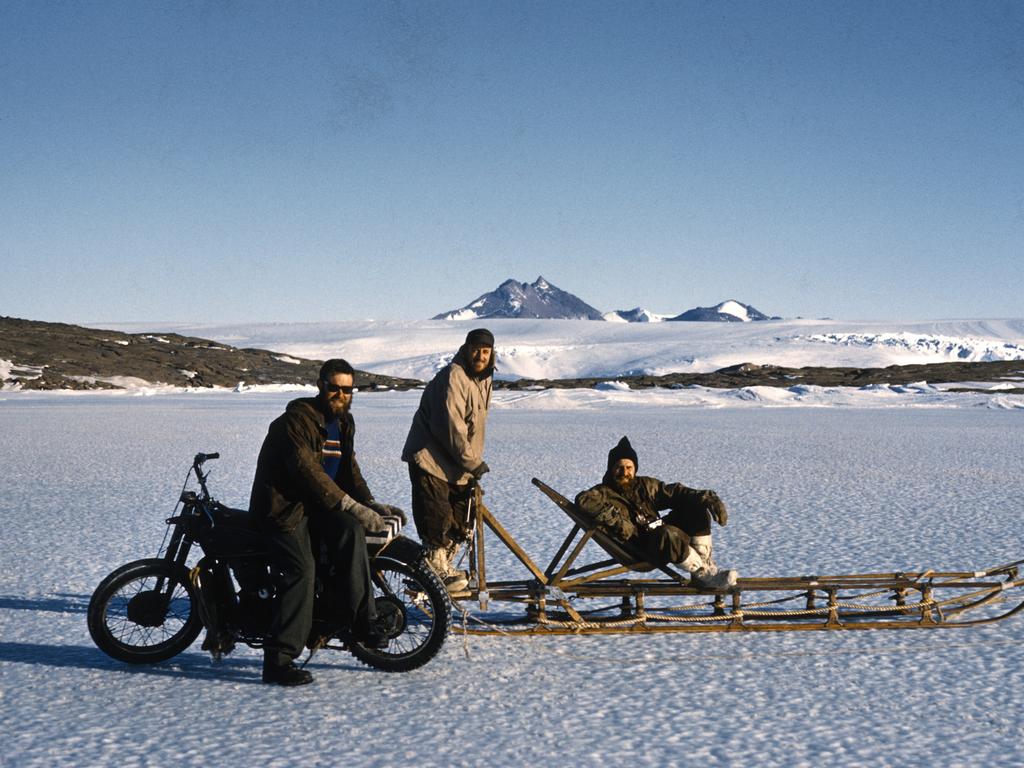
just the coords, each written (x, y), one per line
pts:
(446, 439)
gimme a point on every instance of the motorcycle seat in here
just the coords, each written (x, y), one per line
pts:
(234, 533)
(234, 518)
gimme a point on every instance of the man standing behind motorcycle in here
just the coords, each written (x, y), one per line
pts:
(445, 452)
(307, 479)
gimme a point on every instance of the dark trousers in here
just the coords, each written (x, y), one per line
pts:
(349, 590)
(670, 542)
(293, 608)
(438, 508)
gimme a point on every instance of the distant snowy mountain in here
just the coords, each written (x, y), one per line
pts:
(539, 300)
(728, 312)
(635, 315)
(543, 301)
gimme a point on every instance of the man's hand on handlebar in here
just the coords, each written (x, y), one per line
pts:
(387, 510)
(371, 521)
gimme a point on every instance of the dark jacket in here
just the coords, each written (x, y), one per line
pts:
(446, 439)
(623, 514)
(290, 480)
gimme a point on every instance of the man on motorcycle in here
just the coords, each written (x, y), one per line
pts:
(307, 480)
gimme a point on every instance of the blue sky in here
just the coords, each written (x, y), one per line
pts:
(255, 162)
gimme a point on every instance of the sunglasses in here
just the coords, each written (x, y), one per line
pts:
(334, 388)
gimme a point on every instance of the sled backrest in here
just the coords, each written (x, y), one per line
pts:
(622, 553)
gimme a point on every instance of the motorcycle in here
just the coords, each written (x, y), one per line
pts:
(150, 610)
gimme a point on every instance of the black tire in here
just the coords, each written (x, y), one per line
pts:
(144, 612)
(422, 601)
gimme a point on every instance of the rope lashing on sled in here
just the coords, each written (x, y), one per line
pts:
(937, 605)
(741, 614)
(917, 579)
(928, 610)
(547, 623)
(726, 617)
(465, 632)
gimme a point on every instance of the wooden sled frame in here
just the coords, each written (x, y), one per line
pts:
(543, 603)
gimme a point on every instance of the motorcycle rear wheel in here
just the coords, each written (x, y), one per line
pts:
(144, 612)
(412, 596)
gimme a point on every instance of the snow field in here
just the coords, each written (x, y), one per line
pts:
(579, 348)
(88, 481)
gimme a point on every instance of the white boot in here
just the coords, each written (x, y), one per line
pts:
(435, 557)
(451, 552)
(692, 562)
(707, 574)
(439, 561)
(454, 581)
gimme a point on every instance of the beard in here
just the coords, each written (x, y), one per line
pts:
(623, 483)
(335, 407)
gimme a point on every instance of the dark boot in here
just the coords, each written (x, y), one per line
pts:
(372, 638)
(284, 673)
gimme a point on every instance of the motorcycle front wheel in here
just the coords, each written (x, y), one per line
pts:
(413, 603)
(144, 612)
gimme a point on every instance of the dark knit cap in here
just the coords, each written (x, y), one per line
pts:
(480, 337)
(622, 451)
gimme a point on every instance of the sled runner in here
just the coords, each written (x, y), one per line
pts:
(623, 593)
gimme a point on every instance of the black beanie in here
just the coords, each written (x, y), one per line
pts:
(480, 337)
(622, 451)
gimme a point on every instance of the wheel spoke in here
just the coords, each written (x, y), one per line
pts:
(144, 612)
(423, 603)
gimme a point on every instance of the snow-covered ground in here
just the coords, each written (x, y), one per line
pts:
(572, 348)
(88, 480)
(880, 478)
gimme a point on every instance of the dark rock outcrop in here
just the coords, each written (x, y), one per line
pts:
(752, 375)
(62, 356)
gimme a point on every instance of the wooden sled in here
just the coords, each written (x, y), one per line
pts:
(622, 593)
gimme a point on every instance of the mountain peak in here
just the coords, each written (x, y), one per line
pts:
(540, 299)
(730, 311)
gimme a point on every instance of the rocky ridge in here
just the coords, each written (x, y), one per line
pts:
(39, 355)
(1009, 373)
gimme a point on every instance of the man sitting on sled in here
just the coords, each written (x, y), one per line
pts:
(626, 507)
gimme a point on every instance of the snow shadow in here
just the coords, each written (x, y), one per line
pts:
(187, 665)
(235, 669)
(59, 603)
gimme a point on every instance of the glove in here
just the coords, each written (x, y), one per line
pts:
(715, 507)
(616, 523)
(479, 470)
(369, 519)
(386, 510)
